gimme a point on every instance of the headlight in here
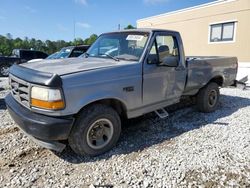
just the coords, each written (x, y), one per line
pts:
(45, 98)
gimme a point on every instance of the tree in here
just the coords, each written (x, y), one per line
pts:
(26, 43)
(18, 43)
(78, 41)
(91, 39)
(130, 27)
(7, 44)
(51, 46)
(9, 36)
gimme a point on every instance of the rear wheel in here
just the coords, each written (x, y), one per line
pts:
(208, 98)
(4, 70)
(96, 130)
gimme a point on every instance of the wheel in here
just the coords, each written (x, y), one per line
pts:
(96, 130)
(208, 98)
(4, 70)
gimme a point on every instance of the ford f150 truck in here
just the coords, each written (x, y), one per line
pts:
(124, 74)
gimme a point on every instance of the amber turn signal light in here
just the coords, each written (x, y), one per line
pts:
(49, 105)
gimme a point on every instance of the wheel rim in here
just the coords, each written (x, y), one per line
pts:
(212, 98)
(4, 70)
(100, 133)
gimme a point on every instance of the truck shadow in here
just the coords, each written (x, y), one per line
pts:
(143, 132)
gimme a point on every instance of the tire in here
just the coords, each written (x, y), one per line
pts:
(96, 130)
(4, 70)
(208, 98)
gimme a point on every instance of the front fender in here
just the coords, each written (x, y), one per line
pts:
(97, 97)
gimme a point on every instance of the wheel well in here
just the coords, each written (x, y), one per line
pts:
(218, 79)
(117, 105)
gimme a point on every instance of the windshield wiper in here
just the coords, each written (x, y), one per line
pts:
(110, 56)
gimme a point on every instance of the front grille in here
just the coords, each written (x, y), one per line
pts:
(20, 90)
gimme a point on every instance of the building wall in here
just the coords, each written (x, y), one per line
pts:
(194, 26)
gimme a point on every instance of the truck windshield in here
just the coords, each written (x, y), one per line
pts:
(52, 56)
(123, 45)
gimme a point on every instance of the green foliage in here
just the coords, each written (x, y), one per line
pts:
(78, 41)
(91, 39)
(7, 44)
(130, 27)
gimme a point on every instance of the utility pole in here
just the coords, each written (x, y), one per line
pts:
(119, 27)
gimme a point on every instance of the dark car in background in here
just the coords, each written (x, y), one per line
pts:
(18, 56)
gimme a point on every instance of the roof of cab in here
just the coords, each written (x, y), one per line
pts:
(147, 30)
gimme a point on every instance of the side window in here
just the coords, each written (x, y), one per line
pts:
(32, 55)
(25, 55)
(165, 46)
(153, 56)
(41, 55)
(76, 53)
(36, 55)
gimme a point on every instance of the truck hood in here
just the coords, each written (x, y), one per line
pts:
(71, 65)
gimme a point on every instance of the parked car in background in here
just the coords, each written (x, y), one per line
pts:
(71, 51)
(124, 74)
(18, 56)
(52, 56)
(66, 52)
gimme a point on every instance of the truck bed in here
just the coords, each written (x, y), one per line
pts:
(200, 69)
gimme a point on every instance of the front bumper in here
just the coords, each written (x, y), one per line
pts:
(45, 130)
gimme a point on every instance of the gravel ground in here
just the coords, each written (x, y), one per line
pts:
(188, 149)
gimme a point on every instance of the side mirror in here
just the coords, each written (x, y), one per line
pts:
(152, 60)
(169, 61)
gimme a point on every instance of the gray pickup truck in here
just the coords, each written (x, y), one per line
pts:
(124, 74)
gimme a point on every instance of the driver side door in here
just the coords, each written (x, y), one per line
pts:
(162, 83)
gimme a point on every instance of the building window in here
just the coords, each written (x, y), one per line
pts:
(222, 32)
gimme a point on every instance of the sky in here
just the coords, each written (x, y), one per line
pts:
(56, 19)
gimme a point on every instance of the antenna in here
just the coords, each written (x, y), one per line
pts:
(74, 30)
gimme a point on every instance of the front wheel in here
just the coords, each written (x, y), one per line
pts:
(96, 130)
(208, 98)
